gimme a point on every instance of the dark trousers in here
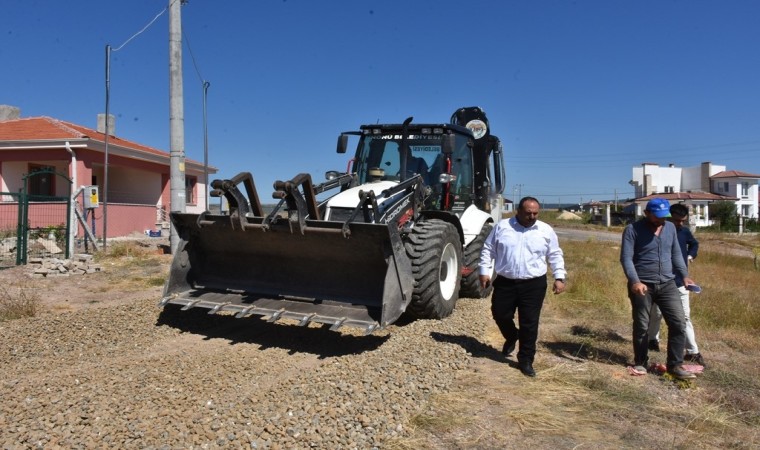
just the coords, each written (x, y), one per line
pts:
(526, 297)
(667, 297)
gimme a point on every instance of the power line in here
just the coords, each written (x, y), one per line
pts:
(640, 156)
(205, 85)
(192, 57)
(107, 114)
(144, 28)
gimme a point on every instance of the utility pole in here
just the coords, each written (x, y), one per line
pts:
(517, 192)
(176, 118)
(206, 84)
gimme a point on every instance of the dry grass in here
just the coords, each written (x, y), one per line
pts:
(583, 396)
(127, 249)
(18, 301)
(132, 265)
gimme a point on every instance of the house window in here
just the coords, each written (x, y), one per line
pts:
(725, 186)
(41, 184)
(745, 189)
(745, 210)
(190, 186)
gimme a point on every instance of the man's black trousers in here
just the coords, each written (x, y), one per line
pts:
(526, 297)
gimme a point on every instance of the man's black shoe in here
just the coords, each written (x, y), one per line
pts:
(654, 345)
(527, 369)
(509, 347)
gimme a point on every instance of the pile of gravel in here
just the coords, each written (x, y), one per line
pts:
(129, 377)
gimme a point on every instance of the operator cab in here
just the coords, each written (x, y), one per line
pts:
(379, 157)
(460, 163)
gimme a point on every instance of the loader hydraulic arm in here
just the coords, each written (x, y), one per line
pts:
(299, 205)
(239, 204)
(345, 179)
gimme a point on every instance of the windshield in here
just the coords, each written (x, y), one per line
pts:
(378, 158)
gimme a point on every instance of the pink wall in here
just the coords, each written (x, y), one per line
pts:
(41, 214)
(8, 216)
(123, 220)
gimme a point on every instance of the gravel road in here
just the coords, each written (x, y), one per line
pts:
(125, 376)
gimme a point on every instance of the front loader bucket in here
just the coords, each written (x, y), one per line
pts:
(225, 264)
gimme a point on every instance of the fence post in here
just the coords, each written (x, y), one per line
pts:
(20, 228)
(23, 229)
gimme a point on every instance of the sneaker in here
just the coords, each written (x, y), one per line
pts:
(654, 345)
(696, 358)
(681, 374)
(640, 370)
(509, 347)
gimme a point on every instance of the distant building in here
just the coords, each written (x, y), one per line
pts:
(594, 207)
(696, 187)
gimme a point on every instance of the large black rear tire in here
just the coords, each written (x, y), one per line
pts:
(471, 282)
(435, 251)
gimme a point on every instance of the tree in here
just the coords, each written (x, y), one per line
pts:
(724, 213)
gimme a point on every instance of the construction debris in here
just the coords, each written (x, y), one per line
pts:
(43, 245)
(56, 267)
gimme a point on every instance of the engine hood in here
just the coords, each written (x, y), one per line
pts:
(350, 197)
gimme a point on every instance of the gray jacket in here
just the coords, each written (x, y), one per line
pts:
(649, 258)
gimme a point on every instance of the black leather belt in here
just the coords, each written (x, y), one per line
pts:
(518, 280)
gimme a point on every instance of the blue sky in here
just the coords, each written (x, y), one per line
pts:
(579, 92)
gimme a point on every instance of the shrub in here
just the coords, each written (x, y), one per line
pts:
(24, 302)
(724, 213)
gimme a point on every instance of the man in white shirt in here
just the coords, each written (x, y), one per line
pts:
(518, 251)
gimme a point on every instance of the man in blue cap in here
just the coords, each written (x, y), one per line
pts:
(651, 255)
(679, 215)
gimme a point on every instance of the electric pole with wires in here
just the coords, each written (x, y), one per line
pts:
(176, 118)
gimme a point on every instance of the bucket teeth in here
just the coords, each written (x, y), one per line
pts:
(245, 313)
(275, 316)
(218, 308)
(306, 319)
(190, 305)
(338, 323)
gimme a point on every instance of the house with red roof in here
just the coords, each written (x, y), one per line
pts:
(697, 187)
(138, 196)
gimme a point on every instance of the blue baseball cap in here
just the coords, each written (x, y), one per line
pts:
(659, 207)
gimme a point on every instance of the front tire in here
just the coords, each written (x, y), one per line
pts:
(435, 251)
(471, 282)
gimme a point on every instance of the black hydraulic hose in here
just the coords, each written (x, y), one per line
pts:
(404, 148)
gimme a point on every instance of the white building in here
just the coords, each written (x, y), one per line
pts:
(697, 187)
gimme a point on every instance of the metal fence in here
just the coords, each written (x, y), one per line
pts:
(30, 228)
(34, 225)
(9, 220)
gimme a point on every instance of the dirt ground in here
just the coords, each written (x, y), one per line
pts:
(125, 278)
(491, 394)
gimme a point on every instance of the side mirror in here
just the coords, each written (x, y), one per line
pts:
(342, 143)
(449, 141)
